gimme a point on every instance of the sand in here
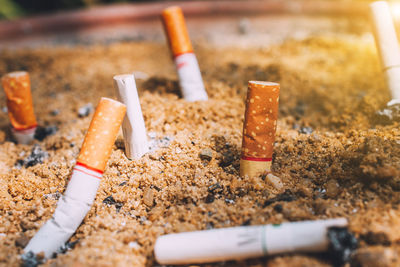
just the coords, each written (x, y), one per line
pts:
(332, 155)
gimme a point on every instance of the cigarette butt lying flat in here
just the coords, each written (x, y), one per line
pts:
(387, 44)
(82, 187)
(259, 128)
(244, 242)
(17, 87)
(134, 129)
(190, 79)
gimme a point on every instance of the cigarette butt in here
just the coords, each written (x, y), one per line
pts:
(259, 128)
(387, 44)
(237, 243)
(186, 64)
(85, 179)
(17, 87)
(175, 27)
(133, 127)
(101, 135)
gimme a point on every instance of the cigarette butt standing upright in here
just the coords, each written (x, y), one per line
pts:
(133, 127)
(17, 87)
(244, 242)
(387, 44)
(190, 79)
(259, 128)
(82, 187)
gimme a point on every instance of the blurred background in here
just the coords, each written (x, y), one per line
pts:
(10, 9)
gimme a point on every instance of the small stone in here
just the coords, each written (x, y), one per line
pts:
(30, 259)
(227, 159)
(375, 257)
(332, 188)
(210, 198)
(287, 196)
(85, 110)
(37, 156)
(111, 201)
(305, 130)
(54, 112)
(42, 132)
(206, 154)
(22, 241)
(134, 245)
(379, 238)
(275, 181)
(148, 196)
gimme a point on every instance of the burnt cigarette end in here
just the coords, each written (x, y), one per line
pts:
(342, 244)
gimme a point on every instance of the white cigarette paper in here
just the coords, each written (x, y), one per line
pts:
(133, 127)
(190, 79)
(69, 214)
(24, 137)
(387, 44)
(243, 242)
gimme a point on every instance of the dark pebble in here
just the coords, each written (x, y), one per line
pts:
(42, 132)
(37, 156)
(215, 188)
(85, 110)
(372, 238)
(286, 196)
(206, 154)
(278, 208)
(22, 241)
(210, 198)
(29, 259)
(342, 244)
(67, 246)
(54, 112)
(227, 159)
(110, 201)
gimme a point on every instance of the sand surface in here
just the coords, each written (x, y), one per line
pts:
(331, 153)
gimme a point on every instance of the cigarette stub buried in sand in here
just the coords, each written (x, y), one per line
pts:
(259, 128)
(190, 79)
(82, 187)
(17, 87)
(387, 44)
(244, 242)
(133, 127)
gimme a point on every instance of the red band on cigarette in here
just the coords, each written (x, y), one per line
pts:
(257, 159)
(88, 167)
(180, 54)
(79, 170)
(24, 129)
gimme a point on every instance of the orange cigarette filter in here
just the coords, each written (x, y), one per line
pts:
(175, 27)
(17, 87)
(259, 127)
(100, 138)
